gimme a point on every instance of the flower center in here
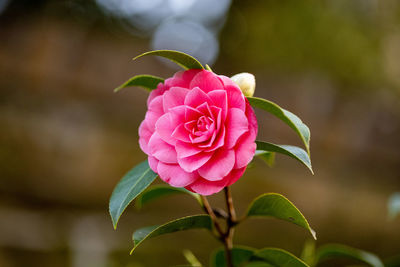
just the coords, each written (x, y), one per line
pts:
(202, 126)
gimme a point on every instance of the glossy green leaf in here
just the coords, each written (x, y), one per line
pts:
(191, 258)
(286, 116)
(148, 82)
(277, 257)
(181, 224)
(157, 191)
(184, 60)
(276, 205)
(240, 255)
(332, 251)
(128, 188)
(267, 156)
(291, 151)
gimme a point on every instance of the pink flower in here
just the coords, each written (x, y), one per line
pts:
(199, 131)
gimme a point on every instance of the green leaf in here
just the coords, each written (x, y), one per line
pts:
(157, 191)
(128, 188)
(267, 156)
(308, 253)
(184, 60)
(240, 255)
(148, 82)
(278, 257)
(286, 116)
(191, 258)
(331, 251)
(276, 205)
(291, 151)
(181, 224)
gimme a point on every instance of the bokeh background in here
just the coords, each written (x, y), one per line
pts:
(66, 138)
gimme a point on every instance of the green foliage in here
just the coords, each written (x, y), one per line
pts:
(148, 82)
(291, 151)
(128, 188)
(308, 253)
(286, 116)
(191, 258)
(185, 223)
(267, 156)
(275, 205)
(240, 255)
(278, 257)
(136, 182)
(157, 191)
(180, 58)
(266, 257)
(332, 251)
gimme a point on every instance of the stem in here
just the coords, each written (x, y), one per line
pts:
(225, 237)
(231, 222)
(209, 211)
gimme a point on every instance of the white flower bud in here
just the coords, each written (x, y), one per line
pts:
(246, 82)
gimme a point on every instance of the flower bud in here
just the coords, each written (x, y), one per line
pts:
(246, 82)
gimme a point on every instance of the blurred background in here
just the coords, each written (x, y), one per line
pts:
(66, 139)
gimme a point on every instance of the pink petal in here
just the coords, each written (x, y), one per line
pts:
(165, 127)
(154, 112)
(205, 109)
(206, 81)
(194, 162)
(226, 81)
(234, 175)
(192, 114)
(167, 124)
(236, 98)
(144, 136)
(244, 151)
(251, 117)
(153, 163)
(180, 133)
(210, 142)
(177, 114)
(220, 99)
(236, 125)
(205, 187)
(175, 96)
(196, 97)
(156, 105)
(182, 78)
(218, 142)
(219, 165)
(217, 116)
(157, 92)
(184, 150)
(161, 150)
(175, 175)
(199, 139)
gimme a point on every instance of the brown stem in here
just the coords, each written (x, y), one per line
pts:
(225, 237)
(231, 222)
(209, 211)
(229, 204)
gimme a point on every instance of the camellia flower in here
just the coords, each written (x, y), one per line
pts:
(199, 131)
